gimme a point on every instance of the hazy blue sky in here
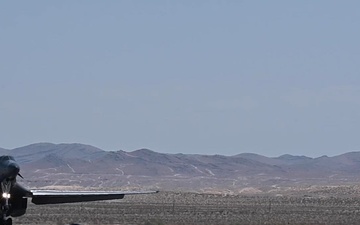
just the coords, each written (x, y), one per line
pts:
(209, 77)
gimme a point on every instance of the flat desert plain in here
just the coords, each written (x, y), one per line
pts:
(176, 208)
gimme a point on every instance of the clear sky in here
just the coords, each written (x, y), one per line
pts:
(208, 77)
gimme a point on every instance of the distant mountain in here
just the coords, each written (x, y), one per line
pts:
(3, 151)
(291, 159)
(70, 151)
(260, 158)
(46, 164)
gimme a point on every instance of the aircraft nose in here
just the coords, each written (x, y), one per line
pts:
(14, 168)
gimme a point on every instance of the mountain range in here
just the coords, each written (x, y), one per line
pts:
(85, 166)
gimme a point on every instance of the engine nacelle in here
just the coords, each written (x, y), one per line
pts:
(18, 200)
(17, 206)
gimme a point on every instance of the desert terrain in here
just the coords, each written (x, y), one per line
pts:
(194, 189)
(175, 208)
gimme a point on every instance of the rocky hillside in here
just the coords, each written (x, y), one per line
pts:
(46, 164)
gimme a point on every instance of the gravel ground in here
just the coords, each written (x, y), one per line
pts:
(168, 208)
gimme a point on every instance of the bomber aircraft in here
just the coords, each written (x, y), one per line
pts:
(13, 202)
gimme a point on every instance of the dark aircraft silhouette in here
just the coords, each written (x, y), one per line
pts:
(13, 202)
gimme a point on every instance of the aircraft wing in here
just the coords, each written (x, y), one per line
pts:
(42, 197)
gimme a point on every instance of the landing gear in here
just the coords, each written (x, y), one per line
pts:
(4, 212)
(6, 221)
(5, 206)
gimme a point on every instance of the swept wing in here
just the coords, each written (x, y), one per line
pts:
(41, 197)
